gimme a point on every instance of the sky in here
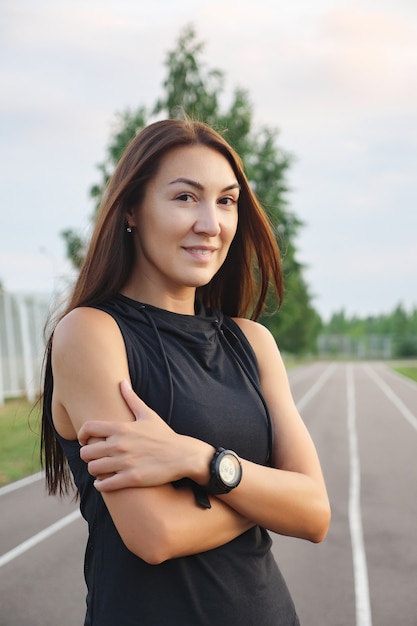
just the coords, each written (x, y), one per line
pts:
(337, 79)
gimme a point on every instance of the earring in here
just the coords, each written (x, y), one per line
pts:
(128, 229)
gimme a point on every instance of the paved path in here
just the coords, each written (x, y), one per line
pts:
(363, 419)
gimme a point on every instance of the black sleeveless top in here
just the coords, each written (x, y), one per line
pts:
(199, 373)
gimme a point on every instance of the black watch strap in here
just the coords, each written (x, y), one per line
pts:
(200, 494)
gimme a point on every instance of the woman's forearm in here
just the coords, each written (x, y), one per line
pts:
(161, 523)
(285, 502)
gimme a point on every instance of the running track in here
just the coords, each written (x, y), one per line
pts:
(363, 419)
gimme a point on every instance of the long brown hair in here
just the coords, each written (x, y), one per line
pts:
(252, 265)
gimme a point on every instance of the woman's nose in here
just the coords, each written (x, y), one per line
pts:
(208, 220)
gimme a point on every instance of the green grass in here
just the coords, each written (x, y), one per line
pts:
(407, 370)
(19, 440)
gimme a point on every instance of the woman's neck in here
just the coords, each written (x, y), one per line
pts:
(183, 302)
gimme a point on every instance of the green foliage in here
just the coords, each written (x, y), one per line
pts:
(399, 325)
(192, 88)
(128, 124)
(405, 346)
(297, 325)
(19, 442)
(189, 86)
(75, 246)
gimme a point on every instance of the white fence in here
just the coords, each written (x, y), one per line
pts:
(22, 322)
(367, 347)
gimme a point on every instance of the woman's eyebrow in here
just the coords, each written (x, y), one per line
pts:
(197, 185)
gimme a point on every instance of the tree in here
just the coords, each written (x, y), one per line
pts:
(196, 90)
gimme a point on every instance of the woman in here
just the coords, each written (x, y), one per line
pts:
(180, 480)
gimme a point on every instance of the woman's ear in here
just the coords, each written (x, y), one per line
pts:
(130, 221)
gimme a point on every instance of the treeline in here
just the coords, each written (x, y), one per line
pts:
(400, 326)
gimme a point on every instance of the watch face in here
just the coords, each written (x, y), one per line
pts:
(229, 469)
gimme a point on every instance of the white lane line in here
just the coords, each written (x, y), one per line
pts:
(41, 536)
(396, 400)
(18, 484)
(316, 387)
(360, 570)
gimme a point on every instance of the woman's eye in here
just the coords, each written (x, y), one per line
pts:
(227, 201)
(185, 197)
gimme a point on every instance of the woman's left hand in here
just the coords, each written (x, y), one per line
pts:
(142, 453)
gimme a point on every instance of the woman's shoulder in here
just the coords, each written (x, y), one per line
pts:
(254, 331)
(84, 325)
(259, 337)
(83, 316)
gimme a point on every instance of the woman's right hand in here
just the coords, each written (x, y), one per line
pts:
(143, 453)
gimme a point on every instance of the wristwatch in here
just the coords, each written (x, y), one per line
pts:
(225, 472)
